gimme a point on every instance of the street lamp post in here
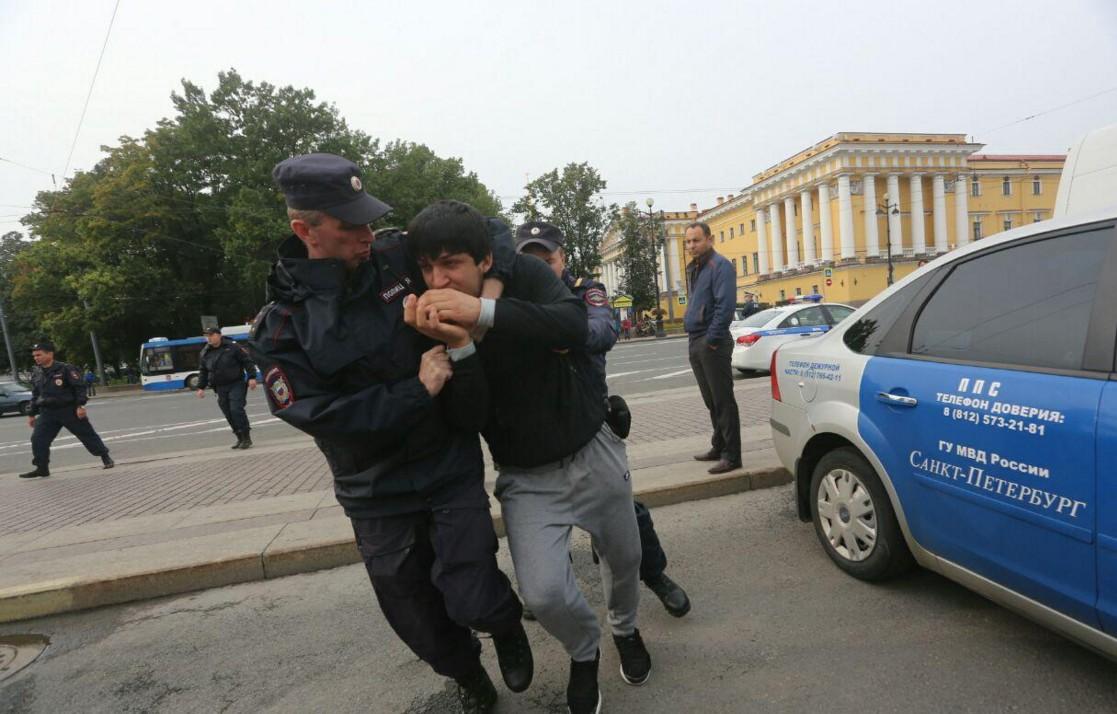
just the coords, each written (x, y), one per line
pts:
(653, 238)
(885, 210)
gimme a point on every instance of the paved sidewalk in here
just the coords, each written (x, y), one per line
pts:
(86, 537)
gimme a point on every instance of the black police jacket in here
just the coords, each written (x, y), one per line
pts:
(544, 403)
(59, 385)
(225, 364)
(340, 364)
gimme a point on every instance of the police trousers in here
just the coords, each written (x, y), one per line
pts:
(231, 399)
(436, 577)
(592, 490)
(47, 425)
(653, 561)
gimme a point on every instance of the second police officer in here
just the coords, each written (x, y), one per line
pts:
(224, 365)
(545, 241)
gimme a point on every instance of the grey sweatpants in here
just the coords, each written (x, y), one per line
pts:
(591, 490)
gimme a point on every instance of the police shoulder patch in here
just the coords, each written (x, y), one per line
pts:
(279, 388)
(596, 297)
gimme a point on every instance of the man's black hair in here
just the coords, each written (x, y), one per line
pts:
(448, 227)
(703, 226)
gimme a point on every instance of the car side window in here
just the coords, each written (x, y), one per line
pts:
(810, 317)
(1026, 305)
(867, 334)
(839, 312)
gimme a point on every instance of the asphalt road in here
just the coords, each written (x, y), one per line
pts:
(153, 425)
(775, 628)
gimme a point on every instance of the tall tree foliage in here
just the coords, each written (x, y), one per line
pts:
(640, 238)
(570, 200)
(184, 221)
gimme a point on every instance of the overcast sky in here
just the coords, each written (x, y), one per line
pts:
(682, 101)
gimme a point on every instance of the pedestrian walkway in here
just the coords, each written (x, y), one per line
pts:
(87, 537)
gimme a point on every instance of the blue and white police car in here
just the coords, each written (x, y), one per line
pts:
(757, 336)
(966, 420)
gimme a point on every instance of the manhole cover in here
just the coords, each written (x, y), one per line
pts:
(18, 651)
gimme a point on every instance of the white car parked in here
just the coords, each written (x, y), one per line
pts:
(759, 334)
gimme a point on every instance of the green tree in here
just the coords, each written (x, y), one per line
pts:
(571, 201)
(639, 241)
(12, 244)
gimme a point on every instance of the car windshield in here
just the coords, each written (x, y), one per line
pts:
(759, 319)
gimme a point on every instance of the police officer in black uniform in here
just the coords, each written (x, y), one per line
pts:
(58, 400)
(397, 417)
(545, 241)
(224, 365)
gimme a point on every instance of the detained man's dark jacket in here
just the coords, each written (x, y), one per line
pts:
(340, 364)
(225, 364)
(544, 403)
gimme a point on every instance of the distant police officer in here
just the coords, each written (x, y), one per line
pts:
(224, 365)
(58, 400)
(397, 417)
(545, 241)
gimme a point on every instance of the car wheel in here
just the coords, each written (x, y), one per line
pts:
(25, 408)
(192, 382)
(854, 519)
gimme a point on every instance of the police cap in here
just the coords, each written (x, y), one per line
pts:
(327, 183)
(539, 233)
(212, 331)
(43, 346)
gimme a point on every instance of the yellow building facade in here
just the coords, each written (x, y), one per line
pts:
(826, 219)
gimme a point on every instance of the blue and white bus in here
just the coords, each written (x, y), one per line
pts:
(173, 364)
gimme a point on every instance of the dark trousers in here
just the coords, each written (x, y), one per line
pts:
(653, 560)
(714, 373)
(435, 576)
(231, 398)
(47, 425)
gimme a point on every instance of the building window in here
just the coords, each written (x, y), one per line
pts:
(744, 265)
(798, 291)
(1008, 224)
(975, 187)
(752, 225)
(783, 295)
(1037, 216)
(977, 229)
(734, 261)
(814, 290)
(731, 232)
(756, 262)
(1006, 186)
(722, 236)
(741, 229)
(1037, 187)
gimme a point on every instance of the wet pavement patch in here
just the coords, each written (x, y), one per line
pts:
(18, 651)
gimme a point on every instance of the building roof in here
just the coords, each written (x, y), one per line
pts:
(1016, 157)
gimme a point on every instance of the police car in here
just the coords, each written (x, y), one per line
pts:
(966, 420)
(759, 334)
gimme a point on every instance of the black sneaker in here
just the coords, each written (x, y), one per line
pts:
(529, 615)
(37, 472)
(636, 663)
(107, 461)
(513, 652)
(246, 441)
(239, 444)
(476, 692)
(582, 693)
(673, 597)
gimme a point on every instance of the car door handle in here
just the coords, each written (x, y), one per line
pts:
(896, 400)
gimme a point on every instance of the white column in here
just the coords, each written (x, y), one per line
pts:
(824, 227)
(895, 225)
(777, 237)
(662, 269)
(808, 226)
(938, 191)
(672, 262)
(962, 210)
(872, 237)
(845, 218)
(918, 234)
(792, 234)
(761, 242)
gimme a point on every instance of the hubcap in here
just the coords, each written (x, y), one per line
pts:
(846, 514)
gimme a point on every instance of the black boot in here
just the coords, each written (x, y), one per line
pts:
(240, 441)
(245, 440)
(476, 692)
(37, 472)
(107, 461)
(673, 597)
(513, 652)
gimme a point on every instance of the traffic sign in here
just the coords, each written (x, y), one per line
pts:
(829, 282)
(622, 301)
(682, 299)
(828, 273)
